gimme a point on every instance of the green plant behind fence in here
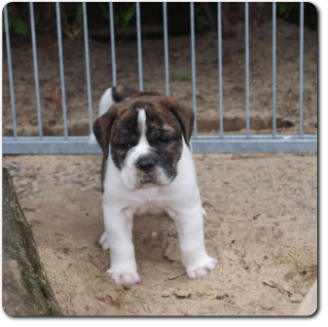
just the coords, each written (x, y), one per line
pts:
(18, 25)
(122, 18)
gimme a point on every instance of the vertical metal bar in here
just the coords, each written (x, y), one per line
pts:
(220, 68)
(247, 67)
(87, 62)
(166, 50)
(10, 74)
(193, 65)
(36, 75)
(61, 66)
(274, 100)
(112, 40)
(139, 47)
(301, 65)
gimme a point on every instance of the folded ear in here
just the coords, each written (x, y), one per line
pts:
(185, 116)
(121, 92)
(102, 128)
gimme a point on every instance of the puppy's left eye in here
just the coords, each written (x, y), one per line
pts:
(124, 146)
(165, 140)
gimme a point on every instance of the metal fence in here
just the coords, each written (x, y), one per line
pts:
(201, 143)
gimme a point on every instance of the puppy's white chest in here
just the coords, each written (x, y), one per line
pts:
(148, 195)
(149, 201)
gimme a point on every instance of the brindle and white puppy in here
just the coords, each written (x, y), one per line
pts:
(145, 138)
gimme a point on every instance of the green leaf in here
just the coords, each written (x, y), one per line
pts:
(79, 14)
(130, 13)
(283, 8)
(104, 10)
(19, 26)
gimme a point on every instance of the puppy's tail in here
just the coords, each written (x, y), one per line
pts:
(106, 101)
(92, 139)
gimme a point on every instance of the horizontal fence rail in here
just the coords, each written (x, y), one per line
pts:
(201, 144)
(221, 143)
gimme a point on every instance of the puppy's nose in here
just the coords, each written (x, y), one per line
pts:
(146, 164)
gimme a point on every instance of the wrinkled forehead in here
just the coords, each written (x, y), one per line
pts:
(134, 116)
(160, 117)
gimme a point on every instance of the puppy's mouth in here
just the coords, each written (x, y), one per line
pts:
(140, 179)
(146, 180)
(147, 185)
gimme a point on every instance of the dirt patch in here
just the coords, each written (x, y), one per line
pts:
(180, 70)
(261, 225)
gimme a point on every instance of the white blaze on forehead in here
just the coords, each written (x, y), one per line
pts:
(143, 142)
(129, 171)
(141, 119)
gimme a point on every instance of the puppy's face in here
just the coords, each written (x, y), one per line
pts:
(145, 137)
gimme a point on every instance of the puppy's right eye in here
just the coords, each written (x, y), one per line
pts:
(165, 140)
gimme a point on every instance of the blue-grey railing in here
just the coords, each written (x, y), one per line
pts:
(61, 65)
(201, 143)
(36, 72)
(10, 73)
(274, 94)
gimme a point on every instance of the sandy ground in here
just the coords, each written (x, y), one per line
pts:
(261, 225)
(180, 70)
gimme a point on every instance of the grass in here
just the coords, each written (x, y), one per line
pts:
(210, 61)
(181, 77)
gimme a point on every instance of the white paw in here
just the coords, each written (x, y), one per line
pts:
(202, 268)
(103, 241)
(124, 276)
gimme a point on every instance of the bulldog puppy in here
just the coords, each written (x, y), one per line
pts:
(145, 138)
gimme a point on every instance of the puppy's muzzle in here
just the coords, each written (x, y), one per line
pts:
(146, 164)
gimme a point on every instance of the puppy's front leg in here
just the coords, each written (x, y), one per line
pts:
(189, 224)
(118, 236)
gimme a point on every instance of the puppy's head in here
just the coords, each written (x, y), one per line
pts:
(144, 136)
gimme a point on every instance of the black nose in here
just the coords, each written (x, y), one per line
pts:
(146, 164)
